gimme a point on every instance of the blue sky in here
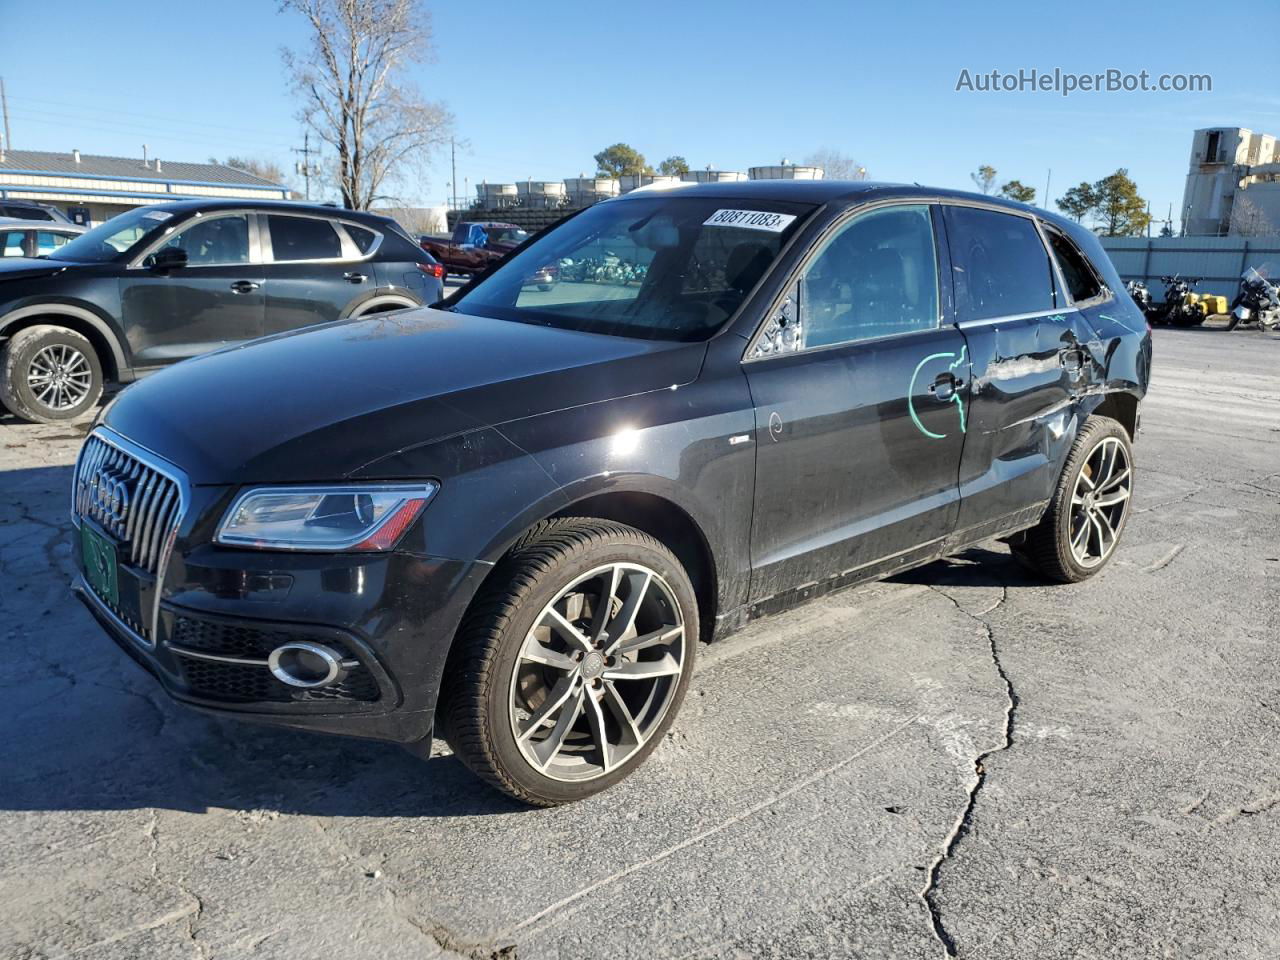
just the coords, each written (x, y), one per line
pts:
(537, 88)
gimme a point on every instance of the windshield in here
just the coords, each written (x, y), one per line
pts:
(108, 240)
(657, 268)
(1263, 271)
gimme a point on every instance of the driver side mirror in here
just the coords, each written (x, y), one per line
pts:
(167, 258)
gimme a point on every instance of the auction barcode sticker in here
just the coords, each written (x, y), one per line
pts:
(750, 220)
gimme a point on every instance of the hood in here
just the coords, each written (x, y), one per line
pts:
(21, 268)
(319, 404)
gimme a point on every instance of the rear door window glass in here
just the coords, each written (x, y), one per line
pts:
(303, 238)
(362, 238)
(1000, 265)
(13, 243)
(47, 241)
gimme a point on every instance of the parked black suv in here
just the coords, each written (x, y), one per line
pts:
(167, 282)
(512, 518)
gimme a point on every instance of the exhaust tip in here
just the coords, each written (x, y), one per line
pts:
(305, 664)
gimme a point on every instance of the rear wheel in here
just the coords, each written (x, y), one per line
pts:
(1079, 532)
(49, 374)
(572, 666)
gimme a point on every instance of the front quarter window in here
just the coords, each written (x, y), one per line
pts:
(655, 268)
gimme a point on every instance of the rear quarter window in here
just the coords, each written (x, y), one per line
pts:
(1080, 276)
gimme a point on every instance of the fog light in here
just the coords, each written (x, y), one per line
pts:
(307, 665)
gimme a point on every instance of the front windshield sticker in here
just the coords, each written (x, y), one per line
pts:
(750, 220)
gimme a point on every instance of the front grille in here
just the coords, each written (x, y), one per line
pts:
(253, 682)
(131, 500)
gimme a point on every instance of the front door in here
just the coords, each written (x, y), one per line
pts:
(218, 298)
(861, 418)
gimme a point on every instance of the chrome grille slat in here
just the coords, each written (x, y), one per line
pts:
(148, 510)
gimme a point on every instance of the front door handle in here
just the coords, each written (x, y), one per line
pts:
(244, 286)
(946, 386)
(354, 277)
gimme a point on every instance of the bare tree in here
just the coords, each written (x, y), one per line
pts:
(836, 165)
(1248, 219)
(985, 178)
(355, 96)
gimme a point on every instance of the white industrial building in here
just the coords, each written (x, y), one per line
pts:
(1233, 184)
(92, 188)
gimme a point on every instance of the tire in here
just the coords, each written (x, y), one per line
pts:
(492, 692)
(65, 358)
(1052, 547)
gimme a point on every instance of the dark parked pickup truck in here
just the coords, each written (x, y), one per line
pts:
(474, 245)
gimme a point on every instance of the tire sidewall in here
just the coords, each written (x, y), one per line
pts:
(1105, 428)
(506, 751)
(15, 361)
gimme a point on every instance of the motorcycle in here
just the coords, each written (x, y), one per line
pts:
(1140, 294)
(1181, 305)
(1258, 299)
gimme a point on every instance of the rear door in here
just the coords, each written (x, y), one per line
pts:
(215, 300)
(860, 413)
(1025, 343)
(314, 271)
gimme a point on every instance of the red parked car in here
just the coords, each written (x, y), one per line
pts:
(474, 245)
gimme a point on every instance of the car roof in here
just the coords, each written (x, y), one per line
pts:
(14, 222)
(833, 191)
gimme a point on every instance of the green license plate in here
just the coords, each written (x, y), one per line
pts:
(99, 555)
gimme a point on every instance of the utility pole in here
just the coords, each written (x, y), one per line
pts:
(4, 102)
(305, 167)
(1048, 177)
(453, 164)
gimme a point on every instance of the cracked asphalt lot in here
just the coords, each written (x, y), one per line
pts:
(958, 760)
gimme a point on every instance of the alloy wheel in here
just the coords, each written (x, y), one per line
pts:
(1100, 502)
(59, 376)
(597, 672)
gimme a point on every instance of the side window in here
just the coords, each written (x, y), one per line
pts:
(303, 238)
(1081, 279)
(1000, 264)
(13, 243)
(47, 241)
(216, 240)
(362, 238)
(878, 276)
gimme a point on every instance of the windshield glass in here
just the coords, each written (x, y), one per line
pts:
(1263, 271)
(108, 240)
(657, 268)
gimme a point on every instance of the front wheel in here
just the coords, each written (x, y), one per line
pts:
(572, 664)
(49, 374)
(1078, 534)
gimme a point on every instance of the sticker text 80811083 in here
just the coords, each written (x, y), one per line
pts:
(750, 220)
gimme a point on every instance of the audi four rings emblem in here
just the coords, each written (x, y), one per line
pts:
(110, 497)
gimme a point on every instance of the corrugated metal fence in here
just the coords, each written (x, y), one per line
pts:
(1219, 260)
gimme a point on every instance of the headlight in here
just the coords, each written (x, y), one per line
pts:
(358, 517)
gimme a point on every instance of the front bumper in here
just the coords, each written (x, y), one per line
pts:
(220, 612)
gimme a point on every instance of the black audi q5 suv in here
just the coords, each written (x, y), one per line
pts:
(512, 519)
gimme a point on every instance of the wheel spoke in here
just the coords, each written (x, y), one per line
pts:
(567, 629)
(1114, 481)
(1080, 540)
(652, 639)
(544, 655)
(1120, 496)
(622, 713)
(547, 750)
(1085, 479)
(560, 693)
(643, 669)
(1097, 527)
(1105, 524)
(624, 622)
(604, 607)
(599, 732)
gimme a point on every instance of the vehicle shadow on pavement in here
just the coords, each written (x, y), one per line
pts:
(975, 567)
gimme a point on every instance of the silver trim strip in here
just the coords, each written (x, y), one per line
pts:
(348, 664)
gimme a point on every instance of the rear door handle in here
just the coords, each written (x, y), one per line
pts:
(244, 286)
(354, 277)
